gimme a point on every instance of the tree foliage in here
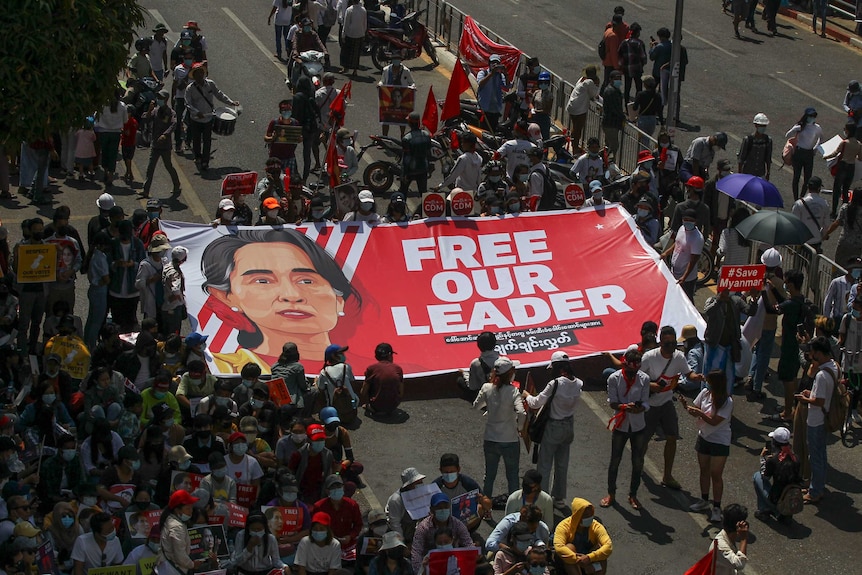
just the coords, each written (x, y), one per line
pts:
(60, 62)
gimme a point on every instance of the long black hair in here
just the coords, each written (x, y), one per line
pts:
(218, 262)
(255, 518)
(855, 202)
(738, 216)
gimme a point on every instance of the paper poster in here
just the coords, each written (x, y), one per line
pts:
(434, 205)
(742, 278)
(462, 203)
(283, 520)
(112, 570)
(278, 393)
(147, 565)
(461, 561)
(574, 195)
(139, 523)
(36, 263)
(395, 104)
(346, 199)
(185, 480)
(417, 501)
(124, 490)
(46, 562)
(242, 183)
(67, 253)
(466, 506)
(234, 514)
(370, 545)
(246, 495)
(73, 352)
(206, 540)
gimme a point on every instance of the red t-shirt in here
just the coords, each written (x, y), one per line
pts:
(130, 133)
(311, 484)
(346, 520)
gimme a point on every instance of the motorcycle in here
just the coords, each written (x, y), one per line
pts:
(139, 94)
(380, 175)
(312, 65)
(408, 41)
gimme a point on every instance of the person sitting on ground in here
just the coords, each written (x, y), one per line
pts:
(529, 514)
(440, 517)
(511, 558)
(580, 540)
(383, 388)
(453, 483)
(531, 493)
(342, 510)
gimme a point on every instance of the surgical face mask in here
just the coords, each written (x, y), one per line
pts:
(289, 496)
(240, 448)
(618, 84)
(856, 273)
(188, 62)
(442, 514)
(522, 545)
(318, 535)
(272, 214)
(544, 86)
(184, 517)
(135, 464)
(298, 437)
(317, 446)
(318, 214)
(494, 179)
(159, 394)
(593, 155)
(154, 547)
(255, 403)
(248, 382)
(260, 533)
(855, 313)
(111, 536)
(183, 465)
(379, 530)
(642, 213)
(67, 521)
(336, 494)
(219, 473)
(286, 114)
(537, 570)
(52, 372)
(160, 101)
(68, 454)
(396, 63)
(515, 207)
(306, 28)
(153, 215)
(450, 477)
(197, 380)
(689, 226)
(587, 521)
(445, 546)
(88, 501)
(523, 177)
(760, 129)
(664, 144)
(48, 398)
(810, 120)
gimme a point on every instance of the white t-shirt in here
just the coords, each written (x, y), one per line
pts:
(283, 16)
(246, 471)
(514, 152)
(157, 49)
(88, 552)
(714, 433)
(317, 559)
(822, 388)
(685, 245)
(653, 364)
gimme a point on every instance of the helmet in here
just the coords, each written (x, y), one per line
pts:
(771, 258)
(545, 77)
(494, 166)
(853, 86)
(761, 119)
(142, 44)
(534, 132)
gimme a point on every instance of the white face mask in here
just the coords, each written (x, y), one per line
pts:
(272, 214)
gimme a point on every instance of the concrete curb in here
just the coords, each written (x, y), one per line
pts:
(840, 34)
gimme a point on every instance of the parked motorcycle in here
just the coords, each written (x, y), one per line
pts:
(380, 175)
(408, 41)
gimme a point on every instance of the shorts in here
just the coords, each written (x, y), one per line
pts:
(739, 7)
(663, 416)
(705, 447)
(128, 152)
(84, 162)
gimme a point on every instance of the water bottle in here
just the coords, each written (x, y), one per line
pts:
(110, 318)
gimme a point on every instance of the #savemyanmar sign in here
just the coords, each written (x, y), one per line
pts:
(579, 281)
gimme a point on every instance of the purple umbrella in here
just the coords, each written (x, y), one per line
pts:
(752, 189)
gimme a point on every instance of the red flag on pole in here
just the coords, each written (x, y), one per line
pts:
(338, 107)
(332, 167)
(430, 116)
(706, 564)
(458, 84)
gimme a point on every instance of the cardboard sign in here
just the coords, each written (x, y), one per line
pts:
(246, 495)
(417, 502)
(45, 559)
(235, 514)
(185, 480)
(242, 183)
(462, 203)
(208, 539)
(434, 205)
(36, 263)
(575, 196)
(278, 393)
(283, 520)
(395, 104)
(139, 523)
(742, 278)
(460, 561)
(466, 506)
(112, 570)
(146, 566)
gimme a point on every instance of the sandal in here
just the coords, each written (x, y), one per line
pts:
(633, 501)
(607, 501)
(671, 484)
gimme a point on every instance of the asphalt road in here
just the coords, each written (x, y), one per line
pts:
(728, 81)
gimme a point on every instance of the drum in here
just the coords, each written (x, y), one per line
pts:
(224, 121)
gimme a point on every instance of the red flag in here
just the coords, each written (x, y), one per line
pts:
(287, 178)
(338, 107)
(332, 162)
(706, 564)
(430, 115)
(458, 84)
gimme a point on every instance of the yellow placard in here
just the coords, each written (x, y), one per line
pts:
(112, 570)
(147, 565)
(36, 263)
(73, 352)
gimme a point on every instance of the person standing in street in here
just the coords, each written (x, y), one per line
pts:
(492, 83)
(848, 152)
(31, 296)
(819, 9)
(586, 90)
(561, 395)
(613, 37)
(396, 74)
(352, 34)
(686, 249)
(814, 212)
(755, 151)
(173, 288)
(505, 418)
(164, 123)
(632, 59)
(723, 335)
(628, 396)
(416, 155)
(282, 10)
(700, 154)
(199, 101)
(808, 135)
(613, 113)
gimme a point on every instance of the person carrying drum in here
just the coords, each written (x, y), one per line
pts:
(200, 96)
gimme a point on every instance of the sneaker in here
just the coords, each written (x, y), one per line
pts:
(715, 516)
(857, 419)
(699, 505)
(763, 515)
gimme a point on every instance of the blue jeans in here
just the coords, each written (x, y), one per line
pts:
(511, 453)
(762, 353)
(719, 357)
(647, 125)
(818, 9)
(98, 298)
(554, 454)
(281, 32)
(817, 458)
(761, 490)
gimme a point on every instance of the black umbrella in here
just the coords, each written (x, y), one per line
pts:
(774, 228)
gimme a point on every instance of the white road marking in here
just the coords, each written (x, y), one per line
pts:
(808, 94)
(260, 45)
(705, 41)
(570, 35)
(636, 5)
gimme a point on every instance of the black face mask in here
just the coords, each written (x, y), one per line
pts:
(62, 231)
(203, 435)
(668, 346)
(36, 236)
(396, 553)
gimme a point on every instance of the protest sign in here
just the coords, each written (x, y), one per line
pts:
(417, 501)
(466, 506)
(46, 560)
(185, 480)
(459, 561)
(147, 566)
(125, 491)
(112, 570)
(246, 495)
(370, 545)
(283, 520)
(208, 539)
(278, 393)
(395, 104)
(242, 183)
(742, 278)
(36, 263)
(139, 523)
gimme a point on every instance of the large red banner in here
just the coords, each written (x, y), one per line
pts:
(579, 281)
(475, 48)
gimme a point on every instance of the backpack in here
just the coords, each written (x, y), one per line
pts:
(342, 400)
(330, 15)
(548, 200)
(602, 48)
(838, 406)
(787, 152)
(305, 111)
(790, 502)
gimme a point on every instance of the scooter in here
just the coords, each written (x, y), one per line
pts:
(380, 175)
(312, 65)
(407, 42)
(139, 94)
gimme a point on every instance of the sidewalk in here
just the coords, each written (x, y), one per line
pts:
(841, 29)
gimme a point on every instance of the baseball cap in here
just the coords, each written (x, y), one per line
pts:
(810, 111)
(366, 197)
(383, 349)
(178, 454)
(771, 258)
(329, 415)
(558, 356)
(322, 518)
(504, 365)
(695, 182)
(180, 254)
(236, 436)
(226, 204)
(334, 348)
(815, 183)
(248, 424)
(194, 339)
(270, 204)
(332, 480)
(154, 204)
(535, 152)
(595, 187)
(410, 476)
(161, 411)
(25, 529)
(494, 58)
(645, 156)
(160, 27)
(439, 498)
(191, 25)
(780, 435)
(720, 139)
(314, 431)
(181, 497)
(376, 515)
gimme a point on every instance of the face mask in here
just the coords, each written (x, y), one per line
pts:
(523, 177)
(67, 521)
(272, 214)
(298, 437)
(445, 546)
(306, 28)
(689, 226)
(88, 501)
(203, 435)
(111, 536)
(52, 372)
(515, 207)
(318, 214)
(135, 465)
(222, 401)
(336, 494)
(184, 517)
(450, 477)
(197, 380)
(761, 129)
(68, 454)
(618, 84)
(380, 530)
(48, 399)
(318, 535)
(664, 144)
(522, 545)
(442, 514)
(855, 313)
(496, 211)
(255, 403)
(240, 448)
(159, 394)
(537, 570)
(494, 179)
(809, 120)
(643, 213)
(289, 496)
(153, 215)
(396, 63)
(247, 382)
(857, 273)
(183, 465)
(36, 236)
(154, 547)
(317, 446)
(544, 86)
(219, 473)
(597, 198)
(188, 62)
(257, 533)
(587, 521)
(286, 114)
(593, 155)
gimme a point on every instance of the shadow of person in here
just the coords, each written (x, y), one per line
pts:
(838, 509)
